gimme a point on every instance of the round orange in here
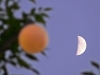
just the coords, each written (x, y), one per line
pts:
(33, 38)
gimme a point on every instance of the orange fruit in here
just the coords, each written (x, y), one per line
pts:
(33, 38)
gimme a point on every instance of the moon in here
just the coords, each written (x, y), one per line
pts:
(81, 45)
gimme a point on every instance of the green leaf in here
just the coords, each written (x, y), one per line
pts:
(87, 73)
(40, 19)
(8, 39)
(14, 47)
(44, 15)
(22, 63)
(31, 57)
(4, 21)
(47, 9)
(15, 6)
(1, 27)
(33, 11)
(28, 22)
(24, 15)
(9, 10)
(95, 64)
(2, 56)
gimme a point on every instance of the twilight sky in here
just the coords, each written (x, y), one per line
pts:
(69, 18)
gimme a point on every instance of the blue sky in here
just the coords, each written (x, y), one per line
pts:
(68, 19)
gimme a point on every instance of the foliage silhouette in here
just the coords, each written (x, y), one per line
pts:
(8, 36)
(94, 64)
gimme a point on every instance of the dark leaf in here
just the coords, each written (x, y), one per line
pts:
(12, 63)
(8, 38)
(24, 15)
(14, 47)
(1, 27)
(0, 1)
(47, 9)
(34, 1)
(29, 21)
(33, 11)
(2, 15)
(95, 64)
(43, 53)
(44, 15)
(5, 70)
(2, 56)
(15, 6)
(23, 63)
(31, 57)
(40, 19)
(8, 41)
(40, 8)
(12, 56)
(87, 73)
(34, 70)
(9, 10)
(3, 20)
(1, 9)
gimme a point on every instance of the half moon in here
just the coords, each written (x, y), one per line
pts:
(81, 45)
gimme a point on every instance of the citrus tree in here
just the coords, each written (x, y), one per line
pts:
(10, 26)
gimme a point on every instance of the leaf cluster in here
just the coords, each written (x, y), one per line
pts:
(9, 30)
(94, 64)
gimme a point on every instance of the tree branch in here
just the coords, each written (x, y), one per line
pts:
(8, 43)
(13, 38)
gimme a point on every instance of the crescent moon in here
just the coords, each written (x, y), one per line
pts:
(81, 45)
